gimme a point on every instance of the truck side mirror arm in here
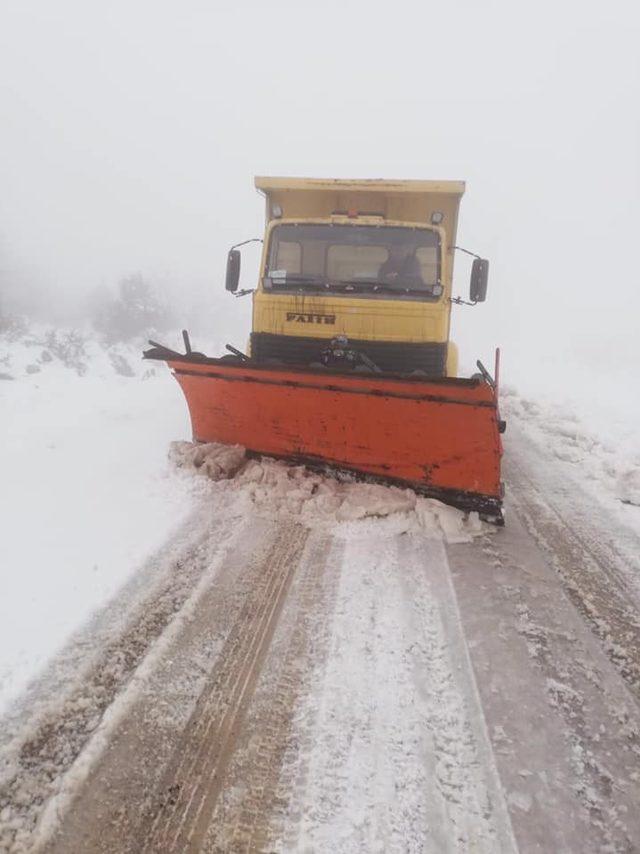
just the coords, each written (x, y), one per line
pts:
(479, 278)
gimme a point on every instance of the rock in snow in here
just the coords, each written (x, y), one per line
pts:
(628, 486)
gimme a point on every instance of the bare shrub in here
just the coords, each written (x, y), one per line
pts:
(69, 348)
(137, 310)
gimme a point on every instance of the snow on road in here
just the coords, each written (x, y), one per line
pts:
(365, 699)
(353, 689)
(326, 503)
(381, 672)
(600, 450)
(397, 745)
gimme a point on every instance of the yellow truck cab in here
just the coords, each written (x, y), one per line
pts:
(366, 260)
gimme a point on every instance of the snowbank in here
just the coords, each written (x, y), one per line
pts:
(601, 450)
(86, 490)
(350, 509)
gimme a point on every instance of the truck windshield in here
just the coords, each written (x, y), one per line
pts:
(347, 258)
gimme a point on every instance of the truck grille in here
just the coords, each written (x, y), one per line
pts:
(389, 356)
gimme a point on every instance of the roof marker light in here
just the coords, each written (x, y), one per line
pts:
(276, 210)
(436, 217)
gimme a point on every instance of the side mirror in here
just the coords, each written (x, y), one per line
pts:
(479, 280)
(233, 270)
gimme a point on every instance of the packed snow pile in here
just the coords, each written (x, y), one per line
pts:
(347, 507)
(217, 462)
(609, 462)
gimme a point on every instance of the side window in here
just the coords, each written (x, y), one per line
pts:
(428, 258)
(355, 262)
(288, 257)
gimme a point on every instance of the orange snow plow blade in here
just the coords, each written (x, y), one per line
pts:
(440, 437)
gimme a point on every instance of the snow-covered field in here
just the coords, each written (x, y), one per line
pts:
(86, 492)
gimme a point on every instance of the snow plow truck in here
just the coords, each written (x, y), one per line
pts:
(350, 365)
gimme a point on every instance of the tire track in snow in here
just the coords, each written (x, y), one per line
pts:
(396, 755)
(131, 780)
(194, 783)
(249, 812)
(58, 719)
(599, 581)
(563, 724)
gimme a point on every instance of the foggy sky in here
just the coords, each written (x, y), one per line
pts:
(131, 132)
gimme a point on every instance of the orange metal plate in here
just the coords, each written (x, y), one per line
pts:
(438, 435)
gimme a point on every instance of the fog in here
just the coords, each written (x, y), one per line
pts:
(131, 132)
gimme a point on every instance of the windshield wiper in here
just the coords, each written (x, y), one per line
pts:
(369, 284)
(318, 282)
(360, 281)
(377, 285)
(288, 281)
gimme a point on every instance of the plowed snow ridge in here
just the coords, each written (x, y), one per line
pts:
(344, 507)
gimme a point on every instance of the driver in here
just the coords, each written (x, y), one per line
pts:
(401, 265)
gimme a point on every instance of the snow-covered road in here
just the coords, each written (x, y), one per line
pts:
(281, 687)
(305, 665)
